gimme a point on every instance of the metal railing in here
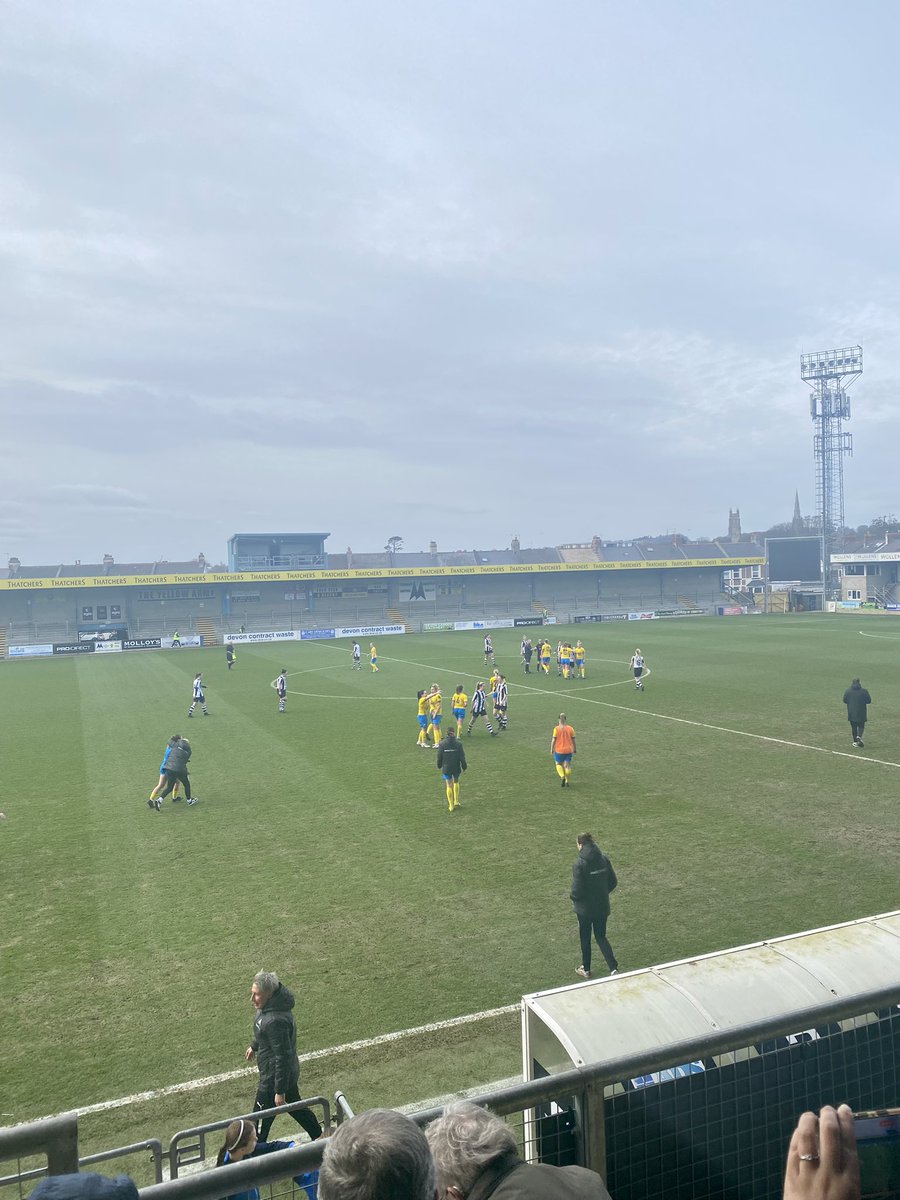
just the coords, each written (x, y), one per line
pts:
(705, 1117)
(188, 1146)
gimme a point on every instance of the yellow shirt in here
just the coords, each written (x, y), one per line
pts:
(435, 700)
(579, 652)
(423, 705)
(460, 700)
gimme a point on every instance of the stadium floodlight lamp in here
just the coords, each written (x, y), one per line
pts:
(832, 364)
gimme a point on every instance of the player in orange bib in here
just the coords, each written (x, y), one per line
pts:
(562, 747)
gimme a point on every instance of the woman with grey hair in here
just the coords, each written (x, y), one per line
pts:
(475, 1156)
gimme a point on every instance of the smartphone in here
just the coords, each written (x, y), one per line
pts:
(878, 1142)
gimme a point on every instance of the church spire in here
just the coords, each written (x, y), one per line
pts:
(797, 522)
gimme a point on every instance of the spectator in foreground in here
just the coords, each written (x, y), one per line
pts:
(476, 1156)
(822, 1162)
(86, 1185)
(241, 1142)
(379, 1155)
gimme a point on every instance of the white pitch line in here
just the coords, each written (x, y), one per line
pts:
(759, 737)
(881, 637)
(383, 1039)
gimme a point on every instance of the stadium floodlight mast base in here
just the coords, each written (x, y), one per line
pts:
(830, 373)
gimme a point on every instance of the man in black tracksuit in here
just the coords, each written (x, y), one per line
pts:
(593, 878)
(275, 1047)
(857, 700)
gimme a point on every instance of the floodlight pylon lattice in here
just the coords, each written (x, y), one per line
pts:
(830, 373)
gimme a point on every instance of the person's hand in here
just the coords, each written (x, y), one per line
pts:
(822, 1162)
(248, 1053)
(279, 1100)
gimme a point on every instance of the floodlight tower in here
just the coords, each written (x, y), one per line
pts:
(830, 373)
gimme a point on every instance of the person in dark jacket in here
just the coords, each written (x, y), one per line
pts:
(274, 1046)
(85, 1185)
(451, 762)
(857, 700)
(241, 1142)
(593, 878)
(175, 767)
(476, 1156)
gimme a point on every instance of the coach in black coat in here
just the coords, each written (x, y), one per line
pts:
(593, 878)
(275, 1047)
(857, 700)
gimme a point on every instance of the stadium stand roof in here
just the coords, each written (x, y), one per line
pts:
(741, 549)
(91, 570)
(706, 550)
(581, 554)
(621, 552)
(545, 554)
(661, 550)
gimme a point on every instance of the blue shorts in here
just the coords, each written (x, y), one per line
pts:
(459, 713)
(435, 718)
(545, 660)
(450, 778)
(423, 721)
(562, 759)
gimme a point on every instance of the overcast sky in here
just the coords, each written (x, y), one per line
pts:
(449, 269)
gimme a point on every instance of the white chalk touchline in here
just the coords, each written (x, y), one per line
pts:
(193, 1085)
(581, 698)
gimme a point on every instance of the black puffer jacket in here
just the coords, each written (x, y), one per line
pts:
(857, 700)
(275, 1043)
(451, 756)
(179, 755)
(593, 878)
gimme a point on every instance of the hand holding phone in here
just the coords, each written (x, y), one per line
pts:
(822, 1162)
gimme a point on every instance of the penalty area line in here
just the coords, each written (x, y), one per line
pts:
(383, 1039)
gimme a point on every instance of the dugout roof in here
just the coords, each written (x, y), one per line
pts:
(628, 1014)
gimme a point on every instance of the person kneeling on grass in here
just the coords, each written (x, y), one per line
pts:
(241, 1142)
(451, 762)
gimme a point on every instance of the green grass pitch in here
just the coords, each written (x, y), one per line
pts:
(322, 847)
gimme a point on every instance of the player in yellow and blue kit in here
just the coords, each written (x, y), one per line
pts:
(373, 656)
(423, 719)
(459, 704)
(435, 704)
(579, 659)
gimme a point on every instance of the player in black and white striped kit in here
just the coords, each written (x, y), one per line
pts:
(637, 665)
(479, 709)
(281, 689)
(199, 698)
(489, 651)
(501, 698)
